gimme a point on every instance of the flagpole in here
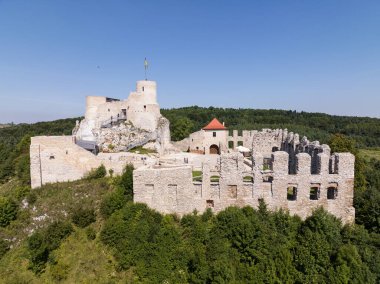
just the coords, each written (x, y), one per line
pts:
(146, 67)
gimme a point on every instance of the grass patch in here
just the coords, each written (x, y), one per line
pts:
(368, 154)
(247, 179)
(214, 178)
(197, 176)
(141, 150)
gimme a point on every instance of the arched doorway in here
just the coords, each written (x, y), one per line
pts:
(214, 149)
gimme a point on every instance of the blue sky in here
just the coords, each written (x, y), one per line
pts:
(319, 56)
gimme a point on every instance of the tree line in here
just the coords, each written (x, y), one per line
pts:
(316, 126)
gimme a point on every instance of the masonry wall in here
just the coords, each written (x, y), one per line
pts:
(154, 186)
(59, 159)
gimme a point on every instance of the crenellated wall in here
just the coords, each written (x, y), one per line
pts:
(231, 185)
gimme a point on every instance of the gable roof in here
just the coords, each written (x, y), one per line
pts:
(214, 125)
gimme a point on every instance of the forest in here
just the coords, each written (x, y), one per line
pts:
(91, 231)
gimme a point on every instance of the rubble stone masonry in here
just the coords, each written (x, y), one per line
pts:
(241, 182)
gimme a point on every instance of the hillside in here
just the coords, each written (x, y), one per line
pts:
(124, 242)
(89, 231)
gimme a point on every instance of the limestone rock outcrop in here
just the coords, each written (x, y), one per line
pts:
(122, 137)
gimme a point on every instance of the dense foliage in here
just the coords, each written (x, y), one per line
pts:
(44, 241)
(339, 144)
(8, 210)
(240, 245)
(123, 193)
(82, 216)
(367, 202)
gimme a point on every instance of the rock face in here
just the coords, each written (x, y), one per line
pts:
(125, 136)
(122, 137)
(115, 125)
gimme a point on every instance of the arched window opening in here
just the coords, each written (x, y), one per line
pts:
(214, 149)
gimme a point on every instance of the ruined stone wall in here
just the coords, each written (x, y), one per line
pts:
(196, 141)
(268, 141)
(232, 184)
(59, 159)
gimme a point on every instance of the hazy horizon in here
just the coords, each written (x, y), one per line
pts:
(312, 56)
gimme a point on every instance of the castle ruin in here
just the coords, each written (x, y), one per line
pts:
(212, 168)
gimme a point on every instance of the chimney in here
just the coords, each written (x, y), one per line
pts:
(223, 123)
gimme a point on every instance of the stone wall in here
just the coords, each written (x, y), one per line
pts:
(172, 189)
(59, 159)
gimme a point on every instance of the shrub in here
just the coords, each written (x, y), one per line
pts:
(126, 182)
(59, 271)
(31, 198)
(8, 211)
(82, 217)
(4, 247)
(99, 172)
(21, 192)
(22, 168)
(44, 241)
(112, 202)
(111, 171)
(91, 233)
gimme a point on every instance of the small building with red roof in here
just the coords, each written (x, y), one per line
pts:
(211, 139)
(214, 125)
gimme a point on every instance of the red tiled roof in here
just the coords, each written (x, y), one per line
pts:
(214, 125)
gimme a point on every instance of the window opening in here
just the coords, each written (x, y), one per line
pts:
(314, 193)
(332, 193)
(209, 203)
(292, 193)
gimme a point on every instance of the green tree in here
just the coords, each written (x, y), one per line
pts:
(126, 182)
(44, 241)
(8, 211)
(342, 143)
(82, 217)
(181, 127)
